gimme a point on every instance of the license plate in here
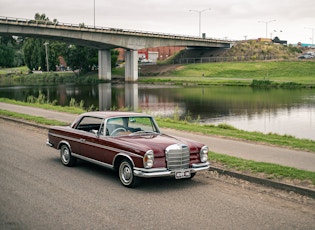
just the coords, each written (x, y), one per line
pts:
(182, 174)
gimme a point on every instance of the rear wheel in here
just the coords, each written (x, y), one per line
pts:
(126, 175)
(66, 158)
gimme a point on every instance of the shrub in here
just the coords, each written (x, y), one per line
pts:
(261, 83)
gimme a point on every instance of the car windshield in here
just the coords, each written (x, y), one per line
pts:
(130, 126)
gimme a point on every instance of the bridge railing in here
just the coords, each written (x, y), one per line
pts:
(198, 60)
(46, 23)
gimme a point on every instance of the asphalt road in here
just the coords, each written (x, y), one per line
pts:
(38, 192)
(246, 150)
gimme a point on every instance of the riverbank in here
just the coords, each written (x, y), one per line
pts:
(263, 74)
(286, 74)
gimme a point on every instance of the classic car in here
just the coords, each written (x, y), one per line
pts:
(129, 143)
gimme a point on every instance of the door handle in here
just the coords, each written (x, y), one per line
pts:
(82, 140)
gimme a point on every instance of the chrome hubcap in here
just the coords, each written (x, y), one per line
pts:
(125, 173)
(65, 155)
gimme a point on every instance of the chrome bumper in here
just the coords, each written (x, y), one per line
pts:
(49, 144)
(161, 172)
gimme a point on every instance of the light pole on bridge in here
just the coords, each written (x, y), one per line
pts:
(200, 12)
(266, 22)
(94, 13)
(312, 34)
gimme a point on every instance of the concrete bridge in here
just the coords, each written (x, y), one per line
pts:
(104, 39)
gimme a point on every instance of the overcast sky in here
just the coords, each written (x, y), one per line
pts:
(231, 19)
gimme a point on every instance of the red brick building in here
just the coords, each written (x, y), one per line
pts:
(163, 52)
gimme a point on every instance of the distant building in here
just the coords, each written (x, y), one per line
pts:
(305, 45)
(159, 53)
(264, 40)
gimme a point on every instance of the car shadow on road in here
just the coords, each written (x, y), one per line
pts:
(153, 185)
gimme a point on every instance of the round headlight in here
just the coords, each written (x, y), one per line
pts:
(148, 159)
(204, 154)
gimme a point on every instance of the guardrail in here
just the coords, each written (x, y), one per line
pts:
(229, 59)
(45, 23)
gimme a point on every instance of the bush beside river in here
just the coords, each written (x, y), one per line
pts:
(287, 74)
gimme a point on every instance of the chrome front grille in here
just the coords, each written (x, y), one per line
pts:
(177, 156)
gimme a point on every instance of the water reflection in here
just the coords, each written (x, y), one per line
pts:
(130, 97)
(281, 111)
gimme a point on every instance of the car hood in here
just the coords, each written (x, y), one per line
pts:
(157, 142)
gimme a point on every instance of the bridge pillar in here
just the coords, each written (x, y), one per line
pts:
(131, 65)
(104, 65)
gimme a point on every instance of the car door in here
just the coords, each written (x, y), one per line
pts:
(86, 139)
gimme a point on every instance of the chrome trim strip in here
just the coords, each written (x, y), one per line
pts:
(150, 170)
(200, 167)
(93, 161)
(63, 137)
(126, 156)
(160, 172)
(205, 164)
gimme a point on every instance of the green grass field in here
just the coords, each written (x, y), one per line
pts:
(241, 73)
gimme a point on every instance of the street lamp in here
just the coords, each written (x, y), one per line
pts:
(312, 34)
(46, 50)
(199, 11)
(266, 22)
(94, 13)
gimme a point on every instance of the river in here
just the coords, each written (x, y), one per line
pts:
(282, 111)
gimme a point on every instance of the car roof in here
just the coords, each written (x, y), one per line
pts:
(111, 114)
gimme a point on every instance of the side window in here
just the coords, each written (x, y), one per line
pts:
(113, 124)
(90, 124)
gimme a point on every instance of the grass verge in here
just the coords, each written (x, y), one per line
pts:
(273, 171)
(66, 109)
(224, 130)
(34, 119)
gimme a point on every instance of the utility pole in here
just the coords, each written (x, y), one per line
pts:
(46, 50)
(199, 11)
(266, 22)
(311, 28)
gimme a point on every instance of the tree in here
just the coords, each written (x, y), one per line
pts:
(83, 58)
(6, 56)
(9, 52)
(77, 57)
(34, 50)
(34, 53)
(80, 58)
(114, 57)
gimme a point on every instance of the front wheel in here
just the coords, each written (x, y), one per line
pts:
(126, 175)
(66, 158)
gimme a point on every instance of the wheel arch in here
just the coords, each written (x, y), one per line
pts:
(64, 143)
(118, 159)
